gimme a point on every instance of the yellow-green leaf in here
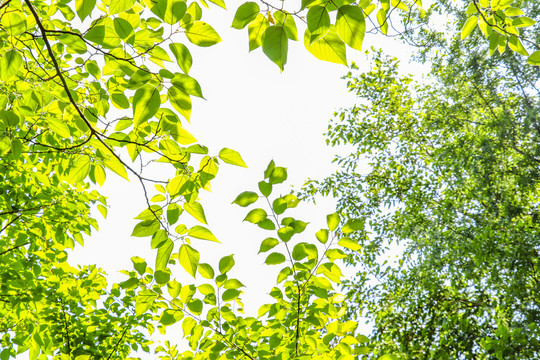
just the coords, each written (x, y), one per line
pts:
(200, 232)
(232, 157)
(202, 34)
(196, 210)
(189, 259)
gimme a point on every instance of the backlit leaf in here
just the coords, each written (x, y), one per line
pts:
(200, 232)
(245, 14)
(189, 259)
(231, 157)
(274, 44)
(202, 34)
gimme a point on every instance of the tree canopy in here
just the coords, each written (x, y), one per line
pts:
(453, 180)
(92, 88)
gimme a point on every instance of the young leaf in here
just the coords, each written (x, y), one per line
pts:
(170, 11)
(231, 157)
(189, 259)
(146, 103)
(202, 34)
(84, 8)
(318, 23)
(245, 14)
(10, 64)
(275, 258)
(351, 25)
(246, 198)
(333, 221)
(265, 188)
(534, 59)
(274, 44)
(352, 225)
(230, 294)
(118, 6)
(180, 101)
(330, 48)
(255, 216)
(79, 170)
(144, 301)
(164, 254)
(187, 84)
(278, 175)
(469, 26)
(200, 232)
(145, 228)
(206, 271)
(349, 244)
(196, 210)
(226, 263)
(256, 30)
(182, 55)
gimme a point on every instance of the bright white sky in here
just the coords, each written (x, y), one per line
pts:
(264, 114)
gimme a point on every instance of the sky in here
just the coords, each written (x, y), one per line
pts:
(264, 114)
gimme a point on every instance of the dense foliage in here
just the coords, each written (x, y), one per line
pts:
(453, 179)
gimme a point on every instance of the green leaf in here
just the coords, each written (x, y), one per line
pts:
(285, 233)
(162, 277)
(196, 210)
(13, 23)
(202, 34)
(245, 14)
(118, 6)
(278, 175)
(226, 263)
(144, 301)
(79, 170)
(353, 225)
(246, 198)
(351, 25)
(469, 26)
(187, 84)
(139, 265)
(233, 284)
(10, 64)
(349, 244)
(232, 157)
(382, 19)
(159, 238)
(523, 22)
(120, 101)
(195, 306)
(333, 221)
(318, 23)
(230, 294)
(171, 316)
(266, 224)
(115, 165)
(206, 271)
(275, 258)
(173, 213)
(123, 28)
(322, 235)
(180, 101)
(146, 228)
(182, 55)
(330, 48)
(534, 59)
(299, 251)
(265, 188)
(255, 216)
(189, 259)
(146, 103)
(103, 35)
(274, 44)
(84, 8)
(170, 11)
(287, 22)
(164, 254)
(515, 44)
(200, 232)
(129, 283)
(256, 30)
(74, 43)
